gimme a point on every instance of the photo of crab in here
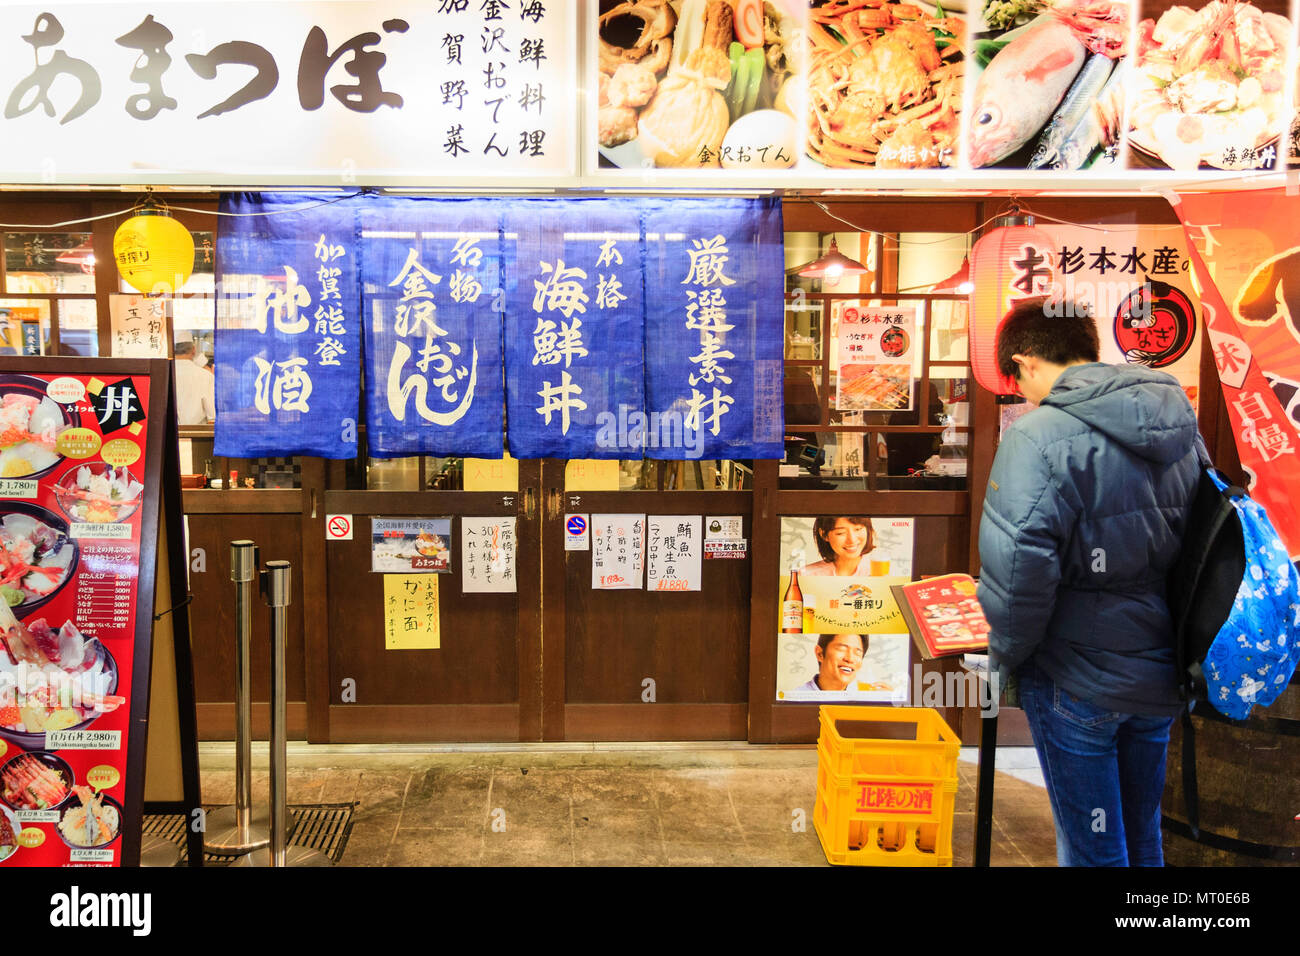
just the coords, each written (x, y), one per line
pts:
(699, 84)
(1049, 84)
(885, 83)
(1209, 86)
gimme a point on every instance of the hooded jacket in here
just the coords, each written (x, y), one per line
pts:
(1083, 518)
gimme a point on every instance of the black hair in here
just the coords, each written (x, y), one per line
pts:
(825, 639)
(1058, 332)
(823, 525)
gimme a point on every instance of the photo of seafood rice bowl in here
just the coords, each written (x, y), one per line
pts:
(90, 820)
(36, 557)
(1051, 91)
(30, 425)
(1210, 85)
(98, 493)
(51, 680)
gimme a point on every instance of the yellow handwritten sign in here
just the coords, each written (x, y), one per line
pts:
(492, 474)
(411, 612)
(588, 474)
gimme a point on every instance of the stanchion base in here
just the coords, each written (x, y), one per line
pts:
(159, 851)
(293, 856)
(221, 834)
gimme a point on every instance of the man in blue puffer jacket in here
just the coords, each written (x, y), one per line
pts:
(1083, 518)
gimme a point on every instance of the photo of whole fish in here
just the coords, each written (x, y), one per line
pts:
(1050, 91)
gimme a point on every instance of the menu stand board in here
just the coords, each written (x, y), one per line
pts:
(943, 615)
(89, 473)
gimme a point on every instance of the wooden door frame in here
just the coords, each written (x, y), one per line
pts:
(583, 721)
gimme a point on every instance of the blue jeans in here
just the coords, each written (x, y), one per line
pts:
(1105, 773)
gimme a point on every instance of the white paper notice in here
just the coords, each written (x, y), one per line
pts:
(487, 555)
(673, 552)
(617, 549)
(138, 325)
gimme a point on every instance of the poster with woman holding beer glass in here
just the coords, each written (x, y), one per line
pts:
(841, 637)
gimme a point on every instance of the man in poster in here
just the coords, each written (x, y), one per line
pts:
(839, 658)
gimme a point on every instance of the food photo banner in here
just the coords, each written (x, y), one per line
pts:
(1246, 252)
(1069, 90)
(590, 365)
(430, 271)
(575, 318)
(771, 93)
(288, 331)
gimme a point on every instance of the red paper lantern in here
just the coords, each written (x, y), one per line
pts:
(1014, 260)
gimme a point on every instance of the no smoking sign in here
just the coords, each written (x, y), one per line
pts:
(338, 527)
(576, 533)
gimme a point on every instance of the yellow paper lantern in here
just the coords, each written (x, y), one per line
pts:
(154, 252)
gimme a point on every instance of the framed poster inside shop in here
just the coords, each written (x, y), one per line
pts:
(93, 569)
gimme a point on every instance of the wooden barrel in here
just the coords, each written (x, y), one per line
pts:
(1248, 777)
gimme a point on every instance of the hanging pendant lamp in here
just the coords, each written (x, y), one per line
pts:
(832, 265)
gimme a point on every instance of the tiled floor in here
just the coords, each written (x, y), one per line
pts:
(747, 806)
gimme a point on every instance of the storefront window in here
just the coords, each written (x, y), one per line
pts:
(78, 327)
(928, 259)
(803, 395)
(803, 329)
(48, 263)
(948, 330)
(881, 359)
(25, 327)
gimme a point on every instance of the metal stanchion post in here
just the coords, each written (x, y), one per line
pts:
(276, 590)
(236, 830)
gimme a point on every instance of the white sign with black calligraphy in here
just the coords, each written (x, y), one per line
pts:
(673, 552)
(287, 91)
(487, 555)
(617, 551)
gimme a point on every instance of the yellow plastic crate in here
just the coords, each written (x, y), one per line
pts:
(886, 786)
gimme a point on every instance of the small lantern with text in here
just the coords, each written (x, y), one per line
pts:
(154, 252)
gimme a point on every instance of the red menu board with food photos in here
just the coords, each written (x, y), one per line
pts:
(72, 467)
(944, 615)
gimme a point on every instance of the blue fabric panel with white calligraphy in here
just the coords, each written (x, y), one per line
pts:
(714, 328)
(431, 297)
(288, 330)
(574, 318)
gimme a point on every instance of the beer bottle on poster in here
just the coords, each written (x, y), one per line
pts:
(792, 606)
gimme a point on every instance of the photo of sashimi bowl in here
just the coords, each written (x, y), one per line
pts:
(35, 781)
(36, 556)
(51, 680)
(10, 829)
(90, 820)
(98, 493)
(1209, 87)
(30, 425)
(1050, 91)
(885, 84)
(698, 83)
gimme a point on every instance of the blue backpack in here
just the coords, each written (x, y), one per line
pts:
(1235, 596)
(1235, 599)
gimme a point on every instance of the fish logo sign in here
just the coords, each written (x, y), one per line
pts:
(1155, 325)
